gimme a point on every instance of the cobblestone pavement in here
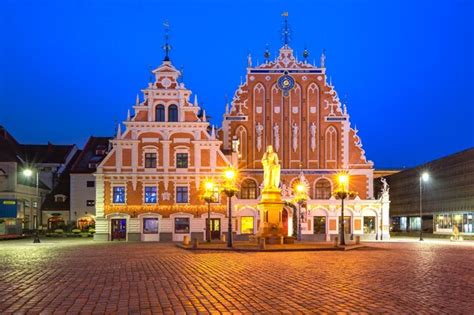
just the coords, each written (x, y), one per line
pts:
(80, 276)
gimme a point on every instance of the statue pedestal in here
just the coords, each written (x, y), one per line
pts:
(271, 209)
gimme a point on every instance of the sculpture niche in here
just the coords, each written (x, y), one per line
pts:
(271, 203)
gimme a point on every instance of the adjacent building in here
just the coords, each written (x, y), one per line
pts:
(447, 198)
(148, 186)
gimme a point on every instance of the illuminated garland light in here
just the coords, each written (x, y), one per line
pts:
(166, 210)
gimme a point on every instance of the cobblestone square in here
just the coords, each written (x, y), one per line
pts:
(80, 276)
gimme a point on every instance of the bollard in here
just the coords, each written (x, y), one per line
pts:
(336, 241)
(195, 243)
(261, 243)
(357, 239)
(186, 240)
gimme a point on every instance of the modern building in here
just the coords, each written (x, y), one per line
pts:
(82, 181)
(447, 197)
(48, 160)
(148, 186)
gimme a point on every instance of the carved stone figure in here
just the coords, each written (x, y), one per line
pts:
(271, 170)
(276, 136)
(385, 187)
(295, 129)
(312, 129)
(259, 130)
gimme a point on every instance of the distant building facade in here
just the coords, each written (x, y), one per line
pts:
(148, 186)
(447, 197)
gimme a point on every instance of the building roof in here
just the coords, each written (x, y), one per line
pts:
(450, 187)
(93, 153)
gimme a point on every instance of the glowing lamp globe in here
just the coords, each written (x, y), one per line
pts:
(425, 177)
(27, 172)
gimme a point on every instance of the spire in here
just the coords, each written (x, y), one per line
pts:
(119, 131)
(213, 133)
(166, 46)
(195, 100)
(137, 101)
(203, 119)
(323, 59)
(266, 54)
(226, 105)
(128, 115)
(249, 61)
(285, 32)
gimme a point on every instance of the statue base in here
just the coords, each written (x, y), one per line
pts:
(271, 209)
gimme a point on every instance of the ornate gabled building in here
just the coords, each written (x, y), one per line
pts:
(151, 179)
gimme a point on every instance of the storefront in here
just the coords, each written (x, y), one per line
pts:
(445, 223)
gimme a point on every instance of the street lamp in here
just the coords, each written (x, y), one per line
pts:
(229, 188)
(423, 178)
(28, 173)
(300, 193)
(343, 192)
(208, 197)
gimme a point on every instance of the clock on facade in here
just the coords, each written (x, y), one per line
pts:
(286, 83)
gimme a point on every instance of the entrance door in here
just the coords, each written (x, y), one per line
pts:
(284, 219)
(119, 229)
(215, 228)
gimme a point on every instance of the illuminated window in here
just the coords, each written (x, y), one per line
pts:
(369, 225)
(322, 189)
(182, 194)
(246, 225)
(248, 189)
(118, 194)
(319, 225)
(173, 113)
(150, 194)
(90, 203)
(181, 225)
(150, 225)
(150, 160)
(160, 113)
(181, 160)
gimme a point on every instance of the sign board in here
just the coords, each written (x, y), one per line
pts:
(8, 208)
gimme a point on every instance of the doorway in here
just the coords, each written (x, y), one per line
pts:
(215, 228)
(119, 229)
(284, 219)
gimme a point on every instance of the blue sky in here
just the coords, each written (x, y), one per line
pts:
(71, 69)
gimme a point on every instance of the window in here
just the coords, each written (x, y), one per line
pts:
(319, 225)
(173, 113)
(181, 225)
(150, 194)
(119, 194)
(182, 194)
(181, 160)
(35, 203)
(100, 150)
(248, 189)
(150, 225)
(92, 165)
(90, 183)
(150, 160)
(246, 225)
(369, 225)
(323, 189)
(90, 203)
(160, 113)
(57, 198)
(347, 224)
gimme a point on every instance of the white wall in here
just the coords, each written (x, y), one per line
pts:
(80, 193)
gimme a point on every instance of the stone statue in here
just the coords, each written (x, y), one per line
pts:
(259, 130)
(295, 129)
(271, 170)
(276, 136)
(313, 136)
(385, 187)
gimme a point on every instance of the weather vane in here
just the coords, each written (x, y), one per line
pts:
(166, 46)
(285, 33)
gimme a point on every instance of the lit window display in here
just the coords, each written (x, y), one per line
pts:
(119, 194)
(181, 225)
(246, 225)
(150, 194)
(319, 225)
(369, 225)
(463, 221)
(150, 226)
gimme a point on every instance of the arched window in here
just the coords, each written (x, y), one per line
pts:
(322, 189)
(248, 189)
(173, 113)
(241, 134)
(160, 113)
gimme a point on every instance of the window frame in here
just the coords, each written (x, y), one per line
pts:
(188, 219)
(147, 159)
(124, 192)
(145, 186)
(176, 194)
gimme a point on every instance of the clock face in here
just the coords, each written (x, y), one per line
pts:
(286, 83)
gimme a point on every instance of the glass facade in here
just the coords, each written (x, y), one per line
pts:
(445, 222)
(119, 194)
(150, 194)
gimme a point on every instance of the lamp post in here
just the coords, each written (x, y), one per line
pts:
(229, 188)
(300, 191)
(208, 197)
(423, 178)
(342, 192)
(28, 173)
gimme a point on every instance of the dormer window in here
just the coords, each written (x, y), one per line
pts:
(100, 150)
(59, 198)
(93, 165)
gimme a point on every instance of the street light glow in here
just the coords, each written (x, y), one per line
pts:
(229, 173)
(27, 172)
(425, 176)
(343, 178)
(300, 188)
(209, 185)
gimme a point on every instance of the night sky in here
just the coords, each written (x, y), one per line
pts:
(71, 69)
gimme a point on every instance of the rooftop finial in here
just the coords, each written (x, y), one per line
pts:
(166, 46)
(305, 54)
(285, 33)
(323, 59)
(266, 54)
(137, 100)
